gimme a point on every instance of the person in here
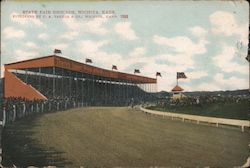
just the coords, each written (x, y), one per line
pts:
(132, 102)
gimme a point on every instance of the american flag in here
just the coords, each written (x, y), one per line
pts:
(88, 60)
(181, 75)
(56, 51)
(137, 71)
(114, 67)
(158, 74)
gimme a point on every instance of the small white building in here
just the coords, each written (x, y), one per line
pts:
(177, 92)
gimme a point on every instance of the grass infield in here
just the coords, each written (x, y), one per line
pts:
(118, 136)
(238, 111)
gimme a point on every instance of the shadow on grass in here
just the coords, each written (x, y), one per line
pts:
(22, 151)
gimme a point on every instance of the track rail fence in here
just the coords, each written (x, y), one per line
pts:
(213, 120)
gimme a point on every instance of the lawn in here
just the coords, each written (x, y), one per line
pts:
(118, 136)
(230, 110)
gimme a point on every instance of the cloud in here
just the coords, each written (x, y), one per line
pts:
(59, 46)
(31, 45)
(30, 18)
(207, 87)
(124, 30)
(138, 52)
(69, 35)
(93, 49)
(95, 26)
(89, 47)
(231, 82)
(182, 61)
(71, 23)
(43, 36)
(24, 55)
(219, 82)
(196, 74)
(182, 44)
(225, 23)
(11, 32)
(198, 31)
(225, 61)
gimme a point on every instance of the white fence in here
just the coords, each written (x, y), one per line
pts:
(198, 119)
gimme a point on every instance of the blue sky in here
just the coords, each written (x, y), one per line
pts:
(205, 39)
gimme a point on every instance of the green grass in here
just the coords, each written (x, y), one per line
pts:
(233, 110)
(108, 137)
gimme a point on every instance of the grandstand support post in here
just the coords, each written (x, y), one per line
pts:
(106, 91)
(117, 91)
(92, 91)
(70, 84)
(49, 106)
(126, 91)
(14, 113)
(37, 108)
(53, 92)
(82, 87)
(109, 91)
(24, 109)
(40, 86)
(4, 117)
(87, 89)
(42, 107)
(32, 108)
(76, 84)
(62, 73)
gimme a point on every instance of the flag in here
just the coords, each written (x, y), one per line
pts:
(248, 58)
(158, 74)
(137, 71)
(56, 51)
(114, 67)
(181, 75)
(88, 60)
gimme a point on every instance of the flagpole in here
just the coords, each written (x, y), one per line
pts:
(176, 78)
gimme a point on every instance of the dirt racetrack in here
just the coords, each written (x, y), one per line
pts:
(119, 136)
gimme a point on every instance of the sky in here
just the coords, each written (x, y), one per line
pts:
(205, 39)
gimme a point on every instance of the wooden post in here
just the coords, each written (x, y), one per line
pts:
(14, 113)
(242, 128)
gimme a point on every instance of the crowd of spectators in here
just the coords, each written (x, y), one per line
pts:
(204, 100)
(14, 108)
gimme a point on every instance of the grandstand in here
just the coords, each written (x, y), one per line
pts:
(58, 78)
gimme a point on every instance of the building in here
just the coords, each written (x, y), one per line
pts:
(177, 92)
(55, 77)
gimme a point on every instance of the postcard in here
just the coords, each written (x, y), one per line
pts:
(125, 84)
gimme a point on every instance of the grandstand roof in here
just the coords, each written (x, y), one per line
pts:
(177, 88)
(65, 63)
